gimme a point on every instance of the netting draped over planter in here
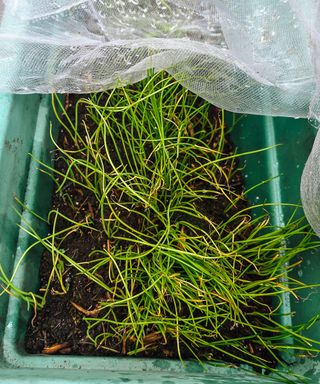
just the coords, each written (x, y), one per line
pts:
(249, 56)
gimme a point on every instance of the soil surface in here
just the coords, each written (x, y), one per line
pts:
(59, 327)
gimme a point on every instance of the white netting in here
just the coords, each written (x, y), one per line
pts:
(250, 56)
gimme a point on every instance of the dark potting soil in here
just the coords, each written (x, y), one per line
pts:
(59, 327)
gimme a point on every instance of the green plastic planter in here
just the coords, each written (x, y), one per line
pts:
(25, 125)
(18, 116)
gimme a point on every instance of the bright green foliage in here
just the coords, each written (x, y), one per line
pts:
(157, 154)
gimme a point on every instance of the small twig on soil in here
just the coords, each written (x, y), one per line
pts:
(54, 348)
(91, 210)
(89, 313)
(124, 346)
(151, 338)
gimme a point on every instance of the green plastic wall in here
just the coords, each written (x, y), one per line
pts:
(25, 126)
(17, 126)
